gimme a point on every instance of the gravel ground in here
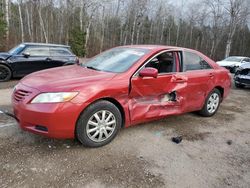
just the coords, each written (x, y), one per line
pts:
(215, 152)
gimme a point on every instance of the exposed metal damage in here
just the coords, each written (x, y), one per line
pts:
(147, 107)
(242, 76)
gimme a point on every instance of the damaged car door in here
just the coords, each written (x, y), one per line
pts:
(157, 96)
(200, 80)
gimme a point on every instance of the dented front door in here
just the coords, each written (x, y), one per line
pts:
(152, 98)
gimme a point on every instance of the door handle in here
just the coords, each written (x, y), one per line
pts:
(211, 75)
(178, 79)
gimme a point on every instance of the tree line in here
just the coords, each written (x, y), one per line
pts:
(218, 28)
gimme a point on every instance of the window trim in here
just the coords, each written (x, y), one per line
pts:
(136, 74)
(183, 62)
(66, 49)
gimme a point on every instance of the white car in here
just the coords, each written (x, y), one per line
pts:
(233, 62)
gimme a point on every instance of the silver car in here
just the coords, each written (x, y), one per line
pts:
(233, 62)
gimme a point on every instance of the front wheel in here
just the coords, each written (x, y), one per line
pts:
(212, 104)
(98, 124)
(5, 73)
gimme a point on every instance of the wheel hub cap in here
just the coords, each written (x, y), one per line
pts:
(101, 126)
(213, 103)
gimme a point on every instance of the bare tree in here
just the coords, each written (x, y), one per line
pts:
(237, 11)
(139, 8)
(21, 20)
(42, 26)
(29, 25)
(210, 26)
(7, 19)
(217, 20)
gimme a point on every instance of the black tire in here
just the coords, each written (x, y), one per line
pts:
(5, 73)
(204, 111)
(85, 117)
(237, 85)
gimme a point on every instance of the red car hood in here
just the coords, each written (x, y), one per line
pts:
(69, 78)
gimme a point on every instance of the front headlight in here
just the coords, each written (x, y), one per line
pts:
(54, 97)
(238, 70)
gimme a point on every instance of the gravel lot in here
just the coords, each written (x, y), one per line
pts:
(215, 152)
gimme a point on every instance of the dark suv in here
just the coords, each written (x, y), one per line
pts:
(30, 57)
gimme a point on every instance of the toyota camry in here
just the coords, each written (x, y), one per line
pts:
(121, 87)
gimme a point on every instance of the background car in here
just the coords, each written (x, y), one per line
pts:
(233, 62)
(242, 76)
(30, 57)
(119, 88)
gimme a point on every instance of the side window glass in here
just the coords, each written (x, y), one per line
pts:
(59, 52)
(37, 51)
(247, 60)
(205, 65)
(194, 62)
(164, 63)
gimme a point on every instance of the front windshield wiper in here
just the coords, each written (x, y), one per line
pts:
(93, 68)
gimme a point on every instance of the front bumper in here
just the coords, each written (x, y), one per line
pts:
(55, 120)
(242, 79)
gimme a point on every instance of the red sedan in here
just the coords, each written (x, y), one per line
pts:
(119, 88)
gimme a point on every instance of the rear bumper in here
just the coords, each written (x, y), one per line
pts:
(55, 120)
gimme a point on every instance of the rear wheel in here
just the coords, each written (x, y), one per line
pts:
(98, 124)
(212, 104)
(5, 73)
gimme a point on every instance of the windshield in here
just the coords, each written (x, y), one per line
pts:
(116, 60)
(16, 49)
(236, 59)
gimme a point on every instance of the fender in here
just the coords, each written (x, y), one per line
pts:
(6, 64)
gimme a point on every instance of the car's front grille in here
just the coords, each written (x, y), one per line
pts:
(244, 81)
(19, 95)
(245, 72)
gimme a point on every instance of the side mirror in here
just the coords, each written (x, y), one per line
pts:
(149, 72)
(25, 54)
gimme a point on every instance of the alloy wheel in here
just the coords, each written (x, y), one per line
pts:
(213, 103)
(101, 126)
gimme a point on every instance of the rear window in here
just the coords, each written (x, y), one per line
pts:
(194, 62)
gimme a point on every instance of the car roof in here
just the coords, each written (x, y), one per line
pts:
(45, 44)
(240, 57)
(157, 47)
